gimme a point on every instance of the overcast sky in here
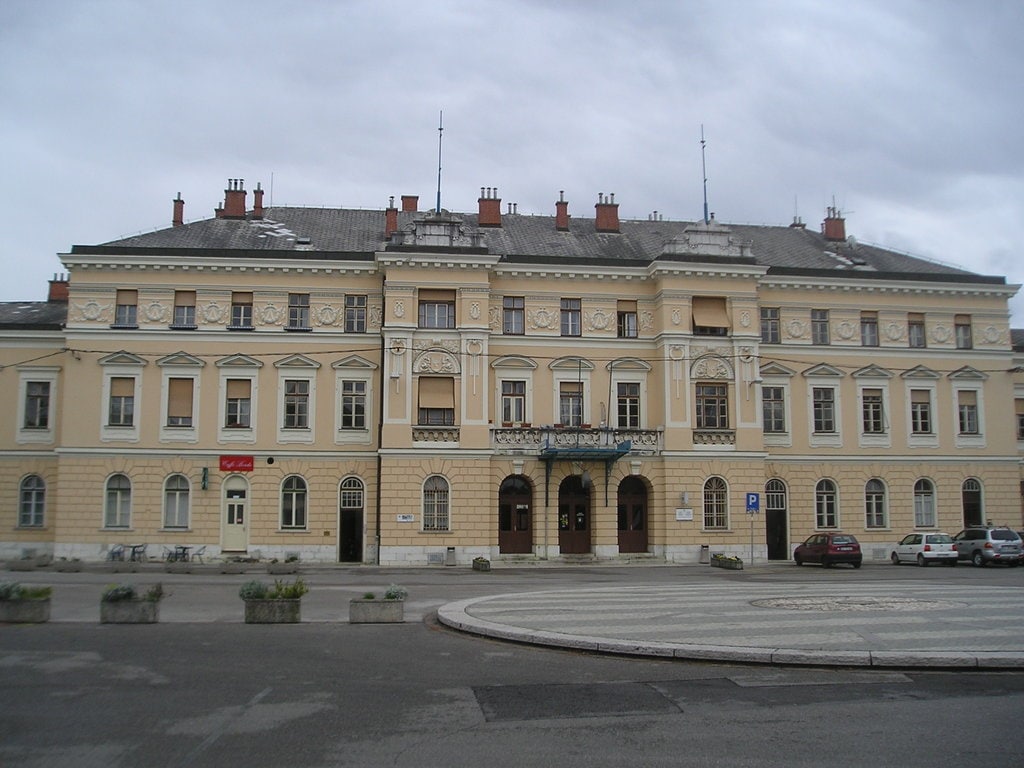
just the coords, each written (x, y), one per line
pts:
(907, 114)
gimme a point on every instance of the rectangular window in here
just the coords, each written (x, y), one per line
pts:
(184, 310)
(513, 315)
(298, 312)
(962, 328)
(826, 510)
(513, 401)
(920, 412)
(872, 415)
(37, 405)
(770, 332)
(179, 402)
(570, 403)
(355, 314)
(122, 402)
(296, 404)
(353, 404)
(1019, 407)
(238, 406)
(572, 317)
(712, 406)
(774, 409)
(819, 327)
(915, 331)
(628, 395)
(241, 311)
(626, 320)
(874, 505)
(967, 412)
(436, 401)
(436, 309)
(710, 316)
(824, 400)
(126, 308)
(869, 329)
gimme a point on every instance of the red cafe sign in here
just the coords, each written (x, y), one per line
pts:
(236, 463)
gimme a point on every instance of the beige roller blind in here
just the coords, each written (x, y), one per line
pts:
(710, 312)
(184, 298)
(1019, 406)
(179, 398)
(127, 297)
(967, 397)
(436, 392)
(239, 389)
(920, 396)
(122, 386)
(433, 294)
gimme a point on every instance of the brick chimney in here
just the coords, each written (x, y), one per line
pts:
(490, 207)
(834, 226)
(179, 212)
(562, 212)
(606, 217)
(59, 288)
(257, 202)
(234, 200)
(410, 203)
(390, 218)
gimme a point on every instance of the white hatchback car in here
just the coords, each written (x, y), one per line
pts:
(925, 548)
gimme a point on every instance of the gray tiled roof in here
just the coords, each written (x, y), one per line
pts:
(33, 315)
(340, 231)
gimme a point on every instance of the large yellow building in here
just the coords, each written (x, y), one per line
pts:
(423, 387)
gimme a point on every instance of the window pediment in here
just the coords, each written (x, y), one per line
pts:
(122, 358)
(824, 369)
(354, 362)
(775, 369)
(180, 359)
(514, 361)
(571, 364)
(297, 361)
(921, 372)
(872, 372)
(628, 364)
(968, 373)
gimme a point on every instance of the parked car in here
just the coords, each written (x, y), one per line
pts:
(828, 549)
(924, 549)
(984, 544)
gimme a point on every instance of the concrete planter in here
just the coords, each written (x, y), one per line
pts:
(24, 611)
(28, 564)
(481, 564)
(273, 611)
(732, 564)
(375, 611)
(129, 612)
(178, 567)
(67, 566)
(232, 567)
(283, 568)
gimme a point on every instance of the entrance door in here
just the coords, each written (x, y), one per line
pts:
(776, 523)
(971, 497)
(632, 515)
(350, 521)
(236, 515)
(515, 501)
(573, 517)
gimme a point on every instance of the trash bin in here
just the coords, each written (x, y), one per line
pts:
(449, 556)
(705, 553)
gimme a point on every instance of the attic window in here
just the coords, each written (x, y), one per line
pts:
(303, 240)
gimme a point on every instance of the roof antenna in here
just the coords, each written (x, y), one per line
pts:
(704, 169)
(440, 131)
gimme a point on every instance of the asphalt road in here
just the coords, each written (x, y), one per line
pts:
(207, 690)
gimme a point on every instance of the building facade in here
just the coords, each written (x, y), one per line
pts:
(421, 387)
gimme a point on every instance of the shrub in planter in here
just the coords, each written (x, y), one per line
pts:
(122, 604)
(370, 610)
(481, 564)
(24, 605)
(280, 603)
(719, 560)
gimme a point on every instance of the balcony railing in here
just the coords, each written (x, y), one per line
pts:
(435, 434)
(714, 437)
(529, 439)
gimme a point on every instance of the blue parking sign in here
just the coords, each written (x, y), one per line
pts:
(753, 503)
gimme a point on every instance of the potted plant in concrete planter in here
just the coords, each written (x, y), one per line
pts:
(369, 609)
(720, 560)
(122, 604)
(481, 564)
(24, 605)
(290, 565)
(277, 604)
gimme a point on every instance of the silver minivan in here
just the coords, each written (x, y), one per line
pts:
(985, 544)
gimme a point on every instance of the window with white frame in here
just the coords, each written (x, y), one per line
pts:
(712, 402)
(869, 329)
(296, 404)
(874, 504)
(122, 391)
(916, 338)
(353, 393)
(626, 321)
(241, 311)
(436, 513)
(31, 502)
(298, 312)
(293, 503)
(355, 314)
(826, 505)
(176, 502)
(436, 308)
(238, 404)
(921, 422)
(770, 329)
(716, 504)
(513, 315)
(962, 331)
(513, 401)
(872, 411)
(1018, 405)
(179, 401)
(627, 400)
(571, 317)
(353, 404)
(924, 504)
(121, 411)
(773, 403)
(352, 493)
(36, 405)
(824, 405)
(117, 509)
(820, 327)
(967, 412)
(570, 403)
(126, 306)
(184, 316)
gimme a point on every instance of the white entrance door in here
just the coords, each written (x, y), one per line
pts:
(236, 515)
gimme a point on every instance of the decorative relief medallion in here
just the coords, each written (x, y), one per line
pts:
(376, 316)
(746, 354)
(92, 311)
(745, 319)
(542, 318)
(399, 309)
(271, 315)
(894, 331)
(156, 312)
(676, 353)
(845, 330)
(677, 317)
(494, 318)
(474, 310)
(646, 320)
(597, 320)
(326, 315)
(213, 313)
(474, 347)
(797, 329)
(436, 362)
(990, 334)
(941, 333)
(711, 367)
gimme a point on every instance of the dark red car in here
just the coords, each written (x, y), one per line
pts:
(828, 549)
